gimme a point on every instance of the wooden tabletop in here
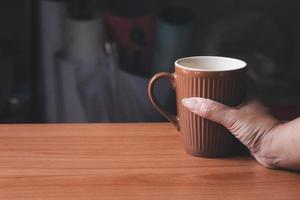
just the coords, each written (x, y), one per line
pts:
(126, 161)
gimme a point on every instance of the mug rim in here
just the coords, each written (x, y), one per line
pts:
(242, 63)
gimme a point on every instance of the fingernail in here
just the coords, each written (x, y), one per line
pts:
(187, 102)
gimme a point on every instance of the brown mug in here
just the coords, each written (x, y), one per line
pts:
(218, 78)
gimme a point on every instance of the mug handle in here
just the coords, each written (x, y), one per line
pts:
(172, 118)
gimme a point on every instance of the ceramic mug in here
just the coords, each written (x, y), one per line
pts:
(218, 78)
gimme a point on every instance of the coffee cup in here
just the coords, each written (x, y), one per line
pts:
(221, 79)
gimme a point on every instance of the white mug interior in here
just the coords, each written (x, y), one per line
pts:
(210, 63)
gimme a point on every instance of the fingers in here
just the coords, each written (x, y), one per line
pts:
(248, 123)
(213, 110)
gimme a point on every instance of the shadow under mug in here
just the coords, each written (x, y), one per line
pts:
(218, 78)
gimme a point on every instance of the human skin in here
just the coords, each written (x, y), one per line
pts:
(273, 143)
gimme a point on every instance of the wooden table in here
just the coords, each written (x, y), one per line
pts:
(126, 161)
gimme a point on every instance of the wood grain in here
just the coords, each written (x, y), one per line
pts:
(125, 161)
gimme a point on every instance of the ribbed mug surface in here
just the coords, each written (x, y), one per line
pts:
(202, 137)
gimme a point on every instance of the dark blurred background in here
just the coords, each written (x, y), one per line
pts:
(90, 61)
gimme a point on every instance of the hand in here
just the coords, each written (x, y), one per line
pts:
(251, 123)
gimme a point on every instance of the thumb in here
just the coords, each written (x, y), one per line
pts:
(214, 111)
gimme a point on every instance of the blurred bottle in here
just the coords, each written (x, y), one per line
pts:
(173, 35)
(84, 32)
(131, 24)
